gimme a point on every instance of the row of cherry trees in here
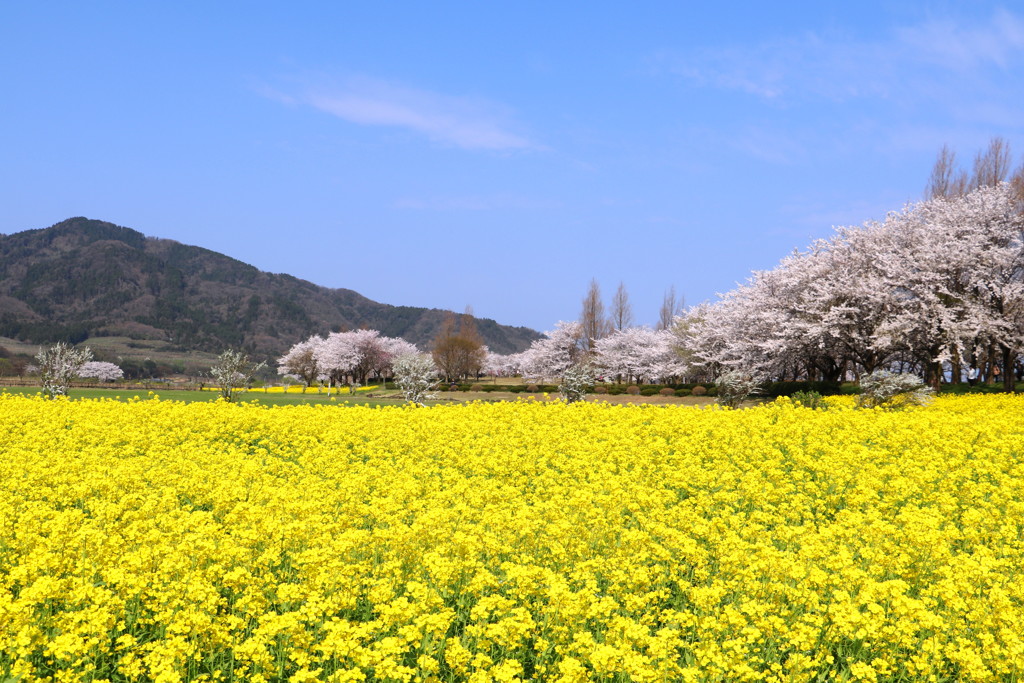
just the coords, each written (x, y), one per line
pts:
(343, 357)
(936, 289)
(630, 354)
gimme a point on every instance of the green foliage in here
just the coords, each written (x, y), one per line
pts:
(961, 389)
(776, 389)
(810, 399)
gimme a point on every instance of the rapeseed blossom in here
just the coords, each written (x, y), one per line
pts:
(163, 541)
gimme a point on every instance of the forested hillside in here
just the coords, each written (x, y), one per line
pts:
(85, 278)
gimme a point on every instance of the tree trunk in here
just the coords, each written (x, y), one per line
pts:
(933, 374)
(990, 366)
(1009, 376)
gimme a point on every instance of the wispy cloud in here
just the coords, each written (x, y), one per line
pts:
(465, 122)
(939, 59)
(1000, 42)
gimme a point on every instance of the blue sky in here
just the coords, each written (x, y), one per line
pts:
(496, 155)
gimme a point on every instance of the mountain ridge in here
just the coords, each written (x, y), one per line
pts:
(84, 278)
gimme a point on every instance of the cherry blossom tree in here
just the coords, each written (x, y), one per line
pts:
(549, 358)
(637, 353)
(339, 357)
(884, 294)
(501, 365)
(391, 349)
(300, 362)
(101, 370)
(344, 357)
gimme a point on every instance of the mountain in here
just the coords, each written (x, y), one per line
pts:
(85, 278)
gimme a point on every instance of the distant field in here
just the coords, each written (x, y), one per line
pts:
(257, 395)
(377, 398)
(131, 349)
(138, 349)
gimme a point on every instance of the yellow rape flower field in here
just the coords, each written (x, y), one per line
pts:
(163, 541)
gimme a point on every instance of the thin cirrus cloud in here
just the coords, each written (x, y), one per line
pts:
(937, 59)
(464, 122)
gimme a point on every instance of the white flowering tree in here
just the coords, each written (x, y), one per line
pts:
(338, 357)
(101, 370)
(576, 380)
(734, 386)
(58, 365)
(550, 357)
(391, 349)
(886, 294)
(416, 376)
(345, 357)
(232, 371)
(893, 391)
(300, 362)
(638, 354)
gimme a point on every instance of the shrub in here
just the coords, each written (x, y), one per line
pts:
(58, 365)
(575, 381)
(682, 392)
(232, 370)
(810, 399)
(648, 391)
(667, 391)
(789, 388)
(633, 390)
(416, 376)
(734, 386)
(600, 390)
(532, 389)
(698, 390)
(893, 391)
(476, 387)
